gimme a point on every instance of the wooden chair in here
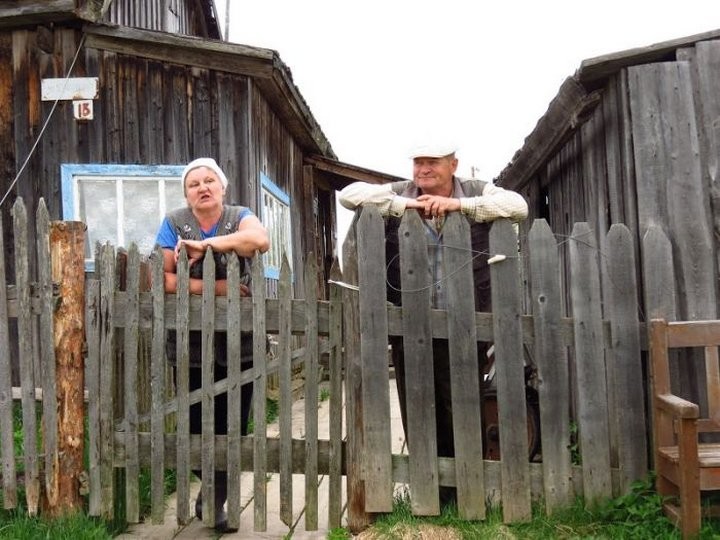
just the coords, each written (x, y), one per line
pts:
(685, 466)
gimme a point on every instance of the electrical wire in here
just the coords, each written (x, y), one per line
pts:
(45, 125)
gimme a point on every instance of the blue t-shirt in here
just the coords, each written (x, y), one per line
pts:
(167, 236)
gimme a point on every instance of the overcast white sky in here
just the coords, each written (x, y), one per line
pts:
(378, 75)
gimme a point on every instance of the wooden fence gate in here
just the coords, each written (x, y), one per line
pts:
(592, 360)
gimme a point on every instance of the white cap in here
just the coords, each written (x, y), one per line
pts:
(433, 150)
(210, 163)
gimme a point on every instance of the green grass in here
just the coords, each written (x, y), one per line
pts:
(635, 516)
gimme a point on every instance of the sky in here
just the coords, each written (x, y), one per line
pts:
(380, 76)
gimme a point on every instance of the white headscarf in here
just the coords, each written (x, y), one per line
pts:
(210, 163)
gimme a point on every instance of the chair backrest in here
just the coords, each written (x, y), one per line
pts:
(665, 336)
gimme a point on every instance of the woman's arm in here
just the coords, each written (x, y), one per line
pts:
(195, 285)
(251, 236)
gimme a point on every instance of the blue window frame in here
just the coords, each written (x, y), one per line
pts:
(120, 204)
(275, 215)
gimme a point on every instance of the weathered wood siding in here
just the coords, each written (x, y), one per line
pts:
(175, 16)
(148, 112)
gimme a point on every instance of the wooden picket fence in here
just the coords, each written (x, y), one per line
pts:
(592, 361)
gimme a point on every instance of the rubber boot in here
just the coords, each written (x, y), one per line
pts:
(220, 498)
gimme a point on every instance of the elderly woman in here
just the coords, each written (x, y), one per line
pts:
(207, 222)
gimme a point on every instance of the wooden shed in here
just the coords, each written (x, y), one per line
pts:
(103, 102)
(632, 137)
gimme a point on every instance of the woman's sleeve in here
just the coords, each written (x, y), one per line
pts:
(167, 236)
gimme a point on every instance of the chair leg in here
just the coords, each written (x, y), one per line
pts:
(689, 479)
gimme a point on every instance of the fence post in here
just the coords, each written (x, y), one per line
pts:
(67, 247)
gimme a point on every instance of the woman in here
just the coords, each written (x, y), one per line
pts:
(208, 223)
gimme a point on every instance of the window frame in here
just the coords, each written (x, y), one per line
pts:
(267, 185)
(69, 173)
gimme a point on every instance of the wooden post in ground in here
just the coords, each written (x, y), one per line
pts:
(67, 245)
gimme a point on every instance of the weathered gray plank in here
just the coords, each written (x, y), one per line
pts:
(464, 367)
(335, 503)
(285, 382)
(132, 467)
(92, 384)
(510, 373)
(553, 373)
(9, 479)
(419, 376)
(358, 519)
(234, 391)
(708, 74)
(259, 396)
(182, 389)
(208, 396)
(47, 350)
(311, 394)
(157, 389)
(374, 357)
(25, 339)
(107, 352)
(624, 358)
(670, 187)
(590, 365)
(671, 193)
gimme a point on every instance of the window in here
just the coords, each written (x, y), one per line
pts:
(276, 218)
(120, 204)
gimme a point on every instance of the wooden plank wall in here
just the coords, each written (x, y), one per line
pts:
(647, 157)
(148, 112)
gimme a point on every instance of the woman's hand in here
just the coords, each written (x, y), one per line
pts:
(195, 250)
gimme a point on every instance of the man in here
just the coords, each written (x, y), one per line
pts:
(435, 191)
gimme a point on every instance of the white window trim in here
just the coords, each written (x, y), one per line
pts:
(69, 174)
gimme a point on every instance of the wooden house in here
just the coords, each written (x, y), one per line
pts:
(103, 102)
(632, 137)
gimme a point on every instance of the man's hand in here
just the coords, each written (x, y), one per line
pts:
(434, 205)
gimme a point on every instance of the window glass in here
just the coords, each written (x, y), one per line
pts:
(120, 204)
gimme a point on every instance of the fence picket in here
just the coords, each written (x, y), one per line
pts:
(285, 382)
(132, 465)
(377, 470)
(182, 389)
(27, 354)
(107, 380)
(311, 393)
(157, 389)
(336, 400)
(357, 517)
(510, 373)
(464, 367)
(208, 395)
(591, 376)
(259, 397)
(47, 354)
(551, 361)
(419, 376)
(625, 360)
(234, 391)
(7, 449)
(92, 384)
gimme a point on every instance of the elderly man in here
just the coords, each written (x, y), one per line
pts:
(435, 191)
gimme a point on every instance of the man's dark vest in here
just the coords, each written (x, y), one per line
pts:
(187, 228)
(479, 236)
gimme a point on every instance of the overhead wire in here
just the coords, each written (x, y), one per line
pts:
(45, 124)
